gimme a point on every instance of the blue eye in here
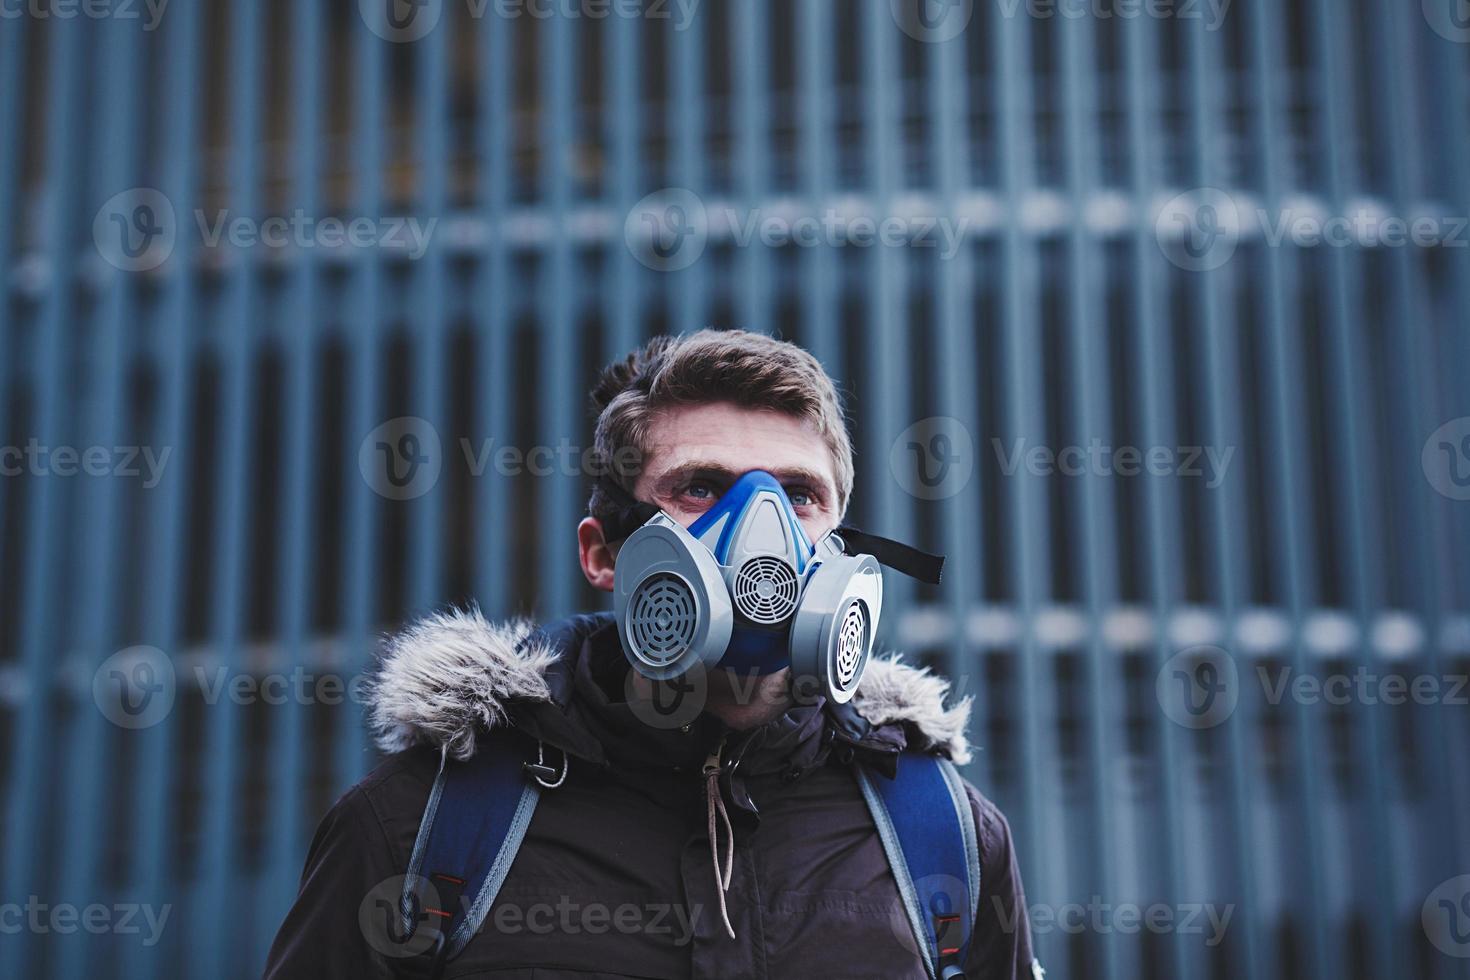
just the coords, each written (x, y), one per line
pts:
(801, 498)
(700, 491)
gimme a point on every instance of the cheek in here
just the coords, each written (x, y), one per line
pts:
(684, 515)
(817, 525)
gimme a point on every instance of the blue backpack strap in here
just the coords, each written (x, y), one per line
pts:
(472, 827)
(928, 832)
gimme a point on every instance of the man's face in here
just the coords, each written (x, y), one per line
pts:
(696, 452)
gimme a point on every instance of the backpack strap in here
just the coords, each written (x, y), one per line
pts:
(472, 827)
(928, 832)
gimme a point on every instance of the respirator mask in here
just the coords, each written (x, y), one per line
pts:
(744, 588)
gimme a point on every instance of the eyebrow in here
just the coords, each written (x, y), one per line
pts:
(720, 472)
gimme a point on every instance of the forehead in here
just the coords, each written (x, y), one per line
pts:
(736, 438)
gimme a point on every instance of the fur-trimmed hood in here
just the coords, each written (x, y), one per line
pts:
(453, 674)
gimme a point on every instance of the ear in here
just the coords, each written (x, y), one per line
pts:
(596, 554)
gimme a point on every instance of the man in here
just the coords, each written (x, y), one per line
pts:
(624, 870)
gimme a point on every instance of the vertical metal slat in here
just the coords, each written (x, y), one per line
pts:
(27, 794)
(86, 757)
(214, 941)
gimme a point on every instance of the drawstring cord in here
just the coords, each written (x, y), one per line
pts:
(715, 803)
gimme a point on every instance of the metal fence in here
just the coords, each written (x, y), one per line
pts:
(1154, 316)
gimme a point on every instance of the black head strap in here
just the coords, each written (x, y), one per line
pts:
(629, 513)
(897, 556)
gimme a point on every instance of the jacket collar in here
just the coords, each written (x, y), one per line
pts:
(452, 676)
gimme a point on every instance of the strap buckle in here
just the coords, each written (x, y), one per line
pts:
(545, 775)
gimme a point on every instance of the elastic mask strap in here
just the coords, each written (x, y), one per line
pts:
(900, 557)
(631, 513)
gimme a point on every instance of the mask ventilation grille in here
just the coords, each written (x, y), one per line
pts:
(765, 590)
(661, 619)
(852, 645)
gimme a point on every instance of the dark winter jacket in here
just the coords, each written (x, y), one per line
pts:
(616, 877)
